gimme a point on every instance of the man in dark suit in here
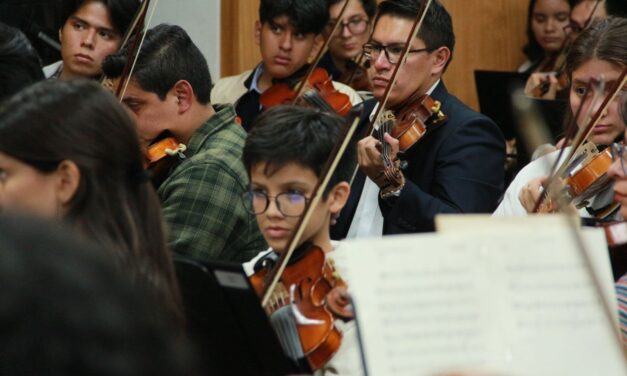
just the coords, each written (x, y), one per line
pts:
(457, 167)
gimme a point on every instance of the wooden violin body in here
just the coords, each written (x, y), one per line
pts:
(319, 91)
(316, 295)
(412, 122)
(161, 156)
(591, 177)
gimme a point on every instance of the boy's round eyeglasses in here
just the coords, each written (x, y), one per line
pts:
(290, 204)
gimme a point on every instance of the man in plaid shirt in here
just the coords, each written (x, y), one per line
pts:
(201, 196)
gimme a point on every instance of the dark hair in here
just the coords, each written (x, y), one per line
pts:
(293, 134)
(19, 63)
(603, 40)
(437, 28)
(370, 6)
(120, 11)
(309, 16)
(167, 55)
(65, 309)
(114, 205)
(616, 8)
(532, 49)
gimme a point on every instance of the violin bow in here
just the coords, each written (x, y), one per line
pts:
(585, 132)
(301, 85)
(327, 172)
(137, 22)
(133, 53)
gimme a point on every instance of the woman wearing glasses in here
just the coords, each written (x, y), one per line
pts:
(598, 53)
(345, 47)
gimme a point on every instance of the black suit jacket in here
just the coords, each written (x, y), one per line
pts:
(457, 167)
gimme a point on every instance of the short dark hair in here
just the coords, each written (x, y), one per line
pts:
(616, 8)
(370, 6)
(306, 16)
(19, 63)
(167, 55)
(52, 121)
(65, 309)
(437, 28)
(121, 12)
(292, 134)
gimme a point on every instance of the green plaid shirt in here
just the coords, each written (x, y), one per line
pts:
(201, 197)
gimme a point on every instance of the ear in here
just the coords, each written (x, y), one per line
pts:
(183, 93)
(61, 35)
(68, 180)
(317, 45)
(441, 56)
(338, 197)
(258, 26)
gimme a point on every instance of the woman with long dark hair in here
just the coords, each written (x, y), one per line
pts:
(69, 151)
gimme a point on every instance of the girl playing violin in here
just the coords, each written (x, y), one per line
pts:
(599, 52)
(284, 155)
(69, 152)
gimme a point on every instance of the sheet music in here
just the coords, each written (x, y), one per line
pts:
(519, 303)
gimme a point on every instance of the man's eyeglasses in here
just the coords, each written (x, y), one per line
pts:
(618, 152)
(392, 52)
(290, 204)
(356, 26)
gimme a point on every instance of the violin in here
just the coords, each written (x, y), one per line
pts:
(161, 156)
(315, 88)
(318, 91)
(317, 295)
(590, 176)
(416, 117)
(356, 74)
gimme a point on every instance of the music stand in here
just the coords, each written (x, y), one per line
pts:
(495, 90)
(226, 321)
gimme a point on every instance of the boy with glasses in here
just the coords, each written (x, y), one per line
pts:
(289, 34)
(284, 155)
(457, 166)
(352, 33)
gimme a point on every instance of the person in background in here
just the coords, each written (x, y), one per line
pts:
(92, 32)
(19, 63)
(547, 31)
(169, 93)
(346, 45)
(68, 310)
(289, 34)
(69, 152)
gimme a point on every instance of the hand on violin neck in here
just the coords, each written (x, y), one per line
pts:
(542, 85)
(370, 157)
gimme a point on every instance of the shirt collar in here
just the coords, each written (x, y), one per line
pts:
(214, 124)
(253, 84)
